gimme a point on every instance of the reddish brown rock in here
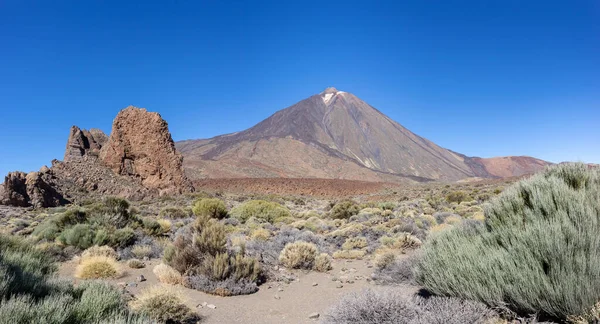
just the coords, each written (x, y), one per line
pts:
(140, 145)
(24, 190)
(15, 190)
(83, 143)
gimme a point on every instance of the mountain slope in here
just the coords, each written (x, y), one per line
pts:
(330, 135)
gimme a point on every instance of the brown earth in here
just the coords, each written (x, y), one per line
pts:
(295, 302)
(293, 186)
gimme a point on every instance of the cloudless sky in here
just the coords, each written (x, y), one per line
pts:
(483, 78)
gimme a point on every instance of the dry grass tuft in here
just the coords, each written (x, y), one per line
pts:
(98, 267)
(168, 275)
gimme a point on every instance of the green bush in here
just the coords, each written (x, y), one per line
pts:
(173, 212)
(457, 197)
(210, 207)
(264, 211)
(122, 237)
(538, 252)
(344, 209)
(80, 236)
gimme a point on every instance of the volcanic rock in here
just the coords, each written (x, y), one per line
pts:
(24, 190)
(141, 146)
(15, 190)
(83, 143)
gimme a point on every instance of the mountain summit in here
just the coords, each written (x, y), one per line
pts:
(334, 134)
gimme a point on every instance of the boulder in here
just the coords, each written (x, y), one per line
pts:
(140, 146)
(83, 143)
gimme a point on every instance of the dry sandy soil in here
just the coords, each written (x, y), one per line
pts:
(275, 302)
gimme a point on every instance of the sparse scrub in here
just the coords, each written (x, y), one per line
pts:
(135, 264)
(163, 305)
(355, 243)
(96, 250)
(98, 267)
(30, 294)
(457, 197)
(210, 207)
(167, 275)
(390, 307)
(265, 211)
(141, 251)
(538, 252)
(344, 209)
(173, 212)
(298, 255)
(322, 263)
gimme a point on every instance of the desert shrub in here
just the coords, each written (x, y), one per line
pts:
(166, 274)
(384, 258)
(173, 212)
(457, 197)
(210, 207)
(201, 255)
(261, 234)
(392, 271)
(268, 251)
(539, 251)
(344, 209)
(387, 307)
(264, 211)
(98, 267)
(29, 294)
(141, 251)
(112, 211)
(213, 239)
(355, 243)
(80, 236)
(152, 227)
(96, 250)
(164, 305)
(122, 237)
(298, 255)
(135, 264)
(322, 263)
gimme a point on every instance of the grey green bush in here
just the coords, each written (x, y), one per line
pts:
(264, 211)
(538, 252)
(29, 294)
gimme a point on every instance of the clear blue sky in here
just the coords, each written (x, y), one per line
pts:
(484, 78)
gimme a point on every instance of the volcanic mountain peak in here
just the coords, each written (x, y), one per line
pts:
(329, 94)
(333, 134)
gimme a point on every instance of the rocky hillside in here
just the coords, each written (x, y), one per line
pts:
(136, 161)
(334, 134)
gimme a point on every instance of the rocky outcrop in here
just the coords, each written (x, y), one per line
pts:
(140, 146)
(15, 190)
(83, 143)
(32, 189)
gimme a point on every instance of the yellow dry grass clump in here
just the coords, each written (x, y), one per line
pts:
(163, 304)
(166, 274)
(96, 250)
(98, 267)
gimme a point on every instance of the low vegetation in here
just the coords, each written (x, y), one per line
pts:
(539, 251)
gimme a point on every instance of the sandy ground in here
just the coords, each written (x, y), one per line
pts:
(275, 302)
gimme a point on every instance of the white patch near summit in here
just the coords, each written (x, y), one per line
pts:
(327, 97)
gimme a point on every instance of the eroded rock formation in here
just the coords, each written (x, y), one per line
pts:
(140, 146)
(32, 189)
(83, 143)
